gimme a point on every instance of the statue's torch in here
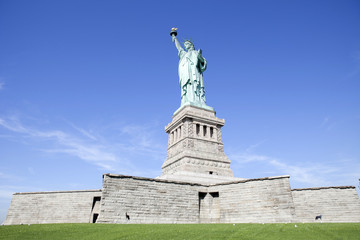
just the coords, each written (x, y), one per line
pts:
(173, 32)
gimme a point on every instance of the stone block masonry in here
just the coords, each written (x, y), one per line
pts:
(127, 199)
(195, 148)
(263, 200)
(53, 207)
(335, 204)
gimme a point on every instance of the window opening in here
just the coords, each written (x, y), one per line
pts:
(214, 194)
(95, 216)
(96, 199)
(202, 196)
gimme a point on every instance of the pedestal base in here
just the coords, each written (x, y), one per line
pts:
(195, 149)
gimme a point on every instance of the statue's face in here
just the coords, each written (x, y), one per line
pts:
(188, 45)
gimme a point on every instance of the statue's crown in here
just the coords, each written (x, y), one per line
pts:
(188, 40)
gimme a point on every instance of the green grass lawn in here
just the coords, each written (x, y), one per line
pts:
(306, 231)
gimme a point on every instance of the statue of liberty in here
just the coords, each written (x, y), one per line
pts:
(191, 67)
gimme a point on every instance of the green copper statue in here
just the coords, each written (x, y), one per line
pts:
(191, 67)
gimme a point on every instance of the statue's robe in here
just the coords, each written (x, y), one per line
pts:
(191, 67)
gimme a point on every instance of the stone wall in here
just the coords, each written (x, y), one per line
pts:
(335, 204)
(52, 207)
(145, 200)
(127, 199)
(263, 200)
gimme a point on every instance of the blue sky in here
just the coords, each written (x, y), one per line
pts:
(87, 87)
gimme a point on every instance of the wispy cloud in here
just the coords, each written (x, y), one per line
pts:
(5, 176)
(84, 132)
(324, 122)
(302, 174)
(356, 71)
(31, 171)
(140, 139)
(253, 147)
(327, 123)
(6, 191)
(307, 174)
(108, 155)
(69, 144)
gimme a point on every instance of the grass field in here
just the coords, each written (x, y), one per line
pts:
(307, 231)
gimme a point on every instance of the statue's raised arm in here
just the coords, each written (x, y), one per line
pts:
(173, 34)
(191, 67)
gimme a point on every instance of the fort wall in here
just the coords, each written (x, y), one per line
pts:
(263, 200)
(127, 199)
(52, 207)
(335, 204)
